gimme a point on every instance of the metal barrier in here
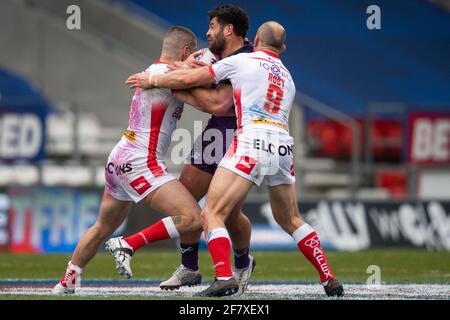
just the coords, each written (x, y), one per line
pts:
(328, 112)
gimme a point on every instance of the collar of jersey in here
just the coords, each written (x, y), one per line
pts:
(159, 62)
(247, 48)
(271, 53)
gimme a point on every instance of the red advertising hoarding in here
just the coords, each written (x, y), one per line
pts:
(429, 138)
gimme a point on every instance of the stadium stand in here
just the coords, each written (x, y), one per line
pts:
(342, 64)
(337, 62)
(17, 92)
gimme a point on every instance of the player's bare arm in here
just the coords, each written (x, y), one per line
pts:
(217, 101)
(186, 97)
(178, 79)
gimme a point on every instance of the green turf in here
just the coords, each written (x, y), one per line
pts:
(397, 265)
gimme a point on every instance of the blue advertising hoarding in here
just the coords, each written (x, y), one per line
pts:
(23, 113)
(50, 219)
(22, 134)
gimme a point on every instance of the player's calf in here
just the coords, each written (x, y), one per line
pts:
(308, 243)
(122, 249)
(161, 230)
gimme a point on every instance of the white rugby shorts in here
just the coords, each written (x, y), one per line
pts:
(261, 154)
(130, 176)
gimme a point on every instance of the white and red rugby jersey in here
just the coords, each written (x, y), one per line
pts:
(153, 118)
(263, 87)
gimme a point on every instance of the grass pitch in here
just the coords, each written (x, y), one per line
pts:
(396, 265)
(286, 270)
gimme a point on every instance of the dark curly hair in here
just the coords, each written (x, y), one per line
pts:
(231, 14)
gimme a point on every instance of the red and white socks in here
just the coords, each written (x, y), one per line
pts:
(161, 230)
(309, 244)
(72, 277)
(219, 247)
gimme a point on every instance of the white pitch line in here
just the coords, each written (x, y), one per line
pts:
(258, 291)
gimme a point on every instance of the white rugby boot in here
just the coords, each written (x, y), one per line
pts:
(182, 277)
(71, 281)
(122, 253)
(242, 276)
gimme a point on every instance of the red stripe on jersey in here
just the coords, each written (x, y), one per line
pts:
(232, 148)
(237, 98)
(212, 71)
(157, 115)
(160, 62)
(235, 144)
(271, 53)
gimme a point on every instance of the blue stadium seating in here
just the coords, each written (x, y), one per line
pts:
(332, 55)
(18, 93)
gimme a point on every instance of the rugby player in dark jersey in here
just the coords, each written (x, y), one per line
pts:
(226, 36)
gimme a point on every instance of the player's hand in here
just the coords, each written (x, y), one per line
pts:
(193, 62)
(193, 56)
(197, 64)
(139, 80)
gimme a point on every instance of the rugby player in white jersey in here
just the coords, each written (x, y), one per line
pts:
(136, 171)
(228, 26)
(226, 36)
(263, 92)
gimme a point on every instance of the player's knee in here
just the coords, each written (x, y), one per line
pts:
(218, 212)
(193, 223)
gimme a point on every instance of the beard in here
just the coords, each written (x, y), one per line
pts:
(218, 43)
